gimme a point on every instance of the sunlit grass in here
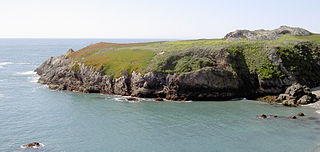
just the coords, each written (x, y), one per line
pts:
(182, 56)
(118, 61)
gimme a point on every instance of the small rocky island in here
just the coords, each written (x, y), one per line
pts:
(245, 64)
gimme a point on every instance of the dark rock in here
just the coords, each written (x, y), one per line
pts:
(263, 116)
(300, 114)
(293, 117)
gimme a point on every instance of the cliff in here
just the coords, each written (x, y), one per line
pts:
(215, 69)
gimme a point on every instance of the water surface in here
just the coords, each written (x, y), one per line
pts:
(68, 121)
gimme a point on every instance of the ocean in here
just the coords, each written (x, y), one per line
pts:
(69, 121)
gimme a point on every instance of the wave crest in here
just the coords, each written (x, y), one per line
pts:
(25, 73)
(2, 64)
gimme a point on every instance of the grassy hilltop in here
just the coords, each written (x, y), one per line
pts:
(191, 55)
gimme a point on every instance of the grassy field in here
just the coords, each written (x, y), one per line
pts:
(183, 56)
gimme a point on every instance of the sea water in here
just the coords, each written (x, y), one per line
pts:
(69, 121)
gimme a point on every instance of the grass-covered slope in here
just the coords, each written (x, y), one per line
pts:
(191, 55)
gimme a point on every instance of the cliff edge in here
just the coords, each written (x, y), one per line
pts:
(187, 70)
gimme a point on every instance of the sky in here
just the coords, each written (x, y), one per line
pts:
(174, 19)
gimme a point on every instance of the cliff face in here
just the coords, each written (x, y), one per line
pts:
(229, 77)
(205, 84)
(191, 70)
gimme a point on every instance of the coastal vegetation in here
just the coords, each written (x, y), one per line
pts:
(190, 55)
(244, 63)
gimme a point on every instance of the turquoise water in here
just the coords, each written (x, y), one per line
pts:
(67, 121)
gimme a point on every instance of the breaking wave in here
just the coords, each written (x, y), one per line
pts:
(2, 64)
(26, 73)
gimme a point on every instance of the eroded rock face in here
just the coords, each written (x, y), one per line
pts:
(228, 77)
(259, 35)
(61, 73)
(210, 83)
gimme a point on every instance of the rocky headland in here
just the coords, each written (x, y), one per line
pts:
(246, 64)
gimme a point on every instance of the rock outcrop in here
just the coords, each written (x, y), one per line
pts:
(62, 73)
(258, 35)
(297, 94)
(197, 73)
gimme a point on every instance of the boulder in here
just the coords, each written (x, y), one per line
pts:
(296, 90)
(300, 114)
(297, 94)
(305, 99)
(290, 102)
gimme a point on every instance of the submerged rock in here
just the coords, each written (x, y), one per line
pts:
(293, 117)
(32, 145)
(263, 116)
(300, 114)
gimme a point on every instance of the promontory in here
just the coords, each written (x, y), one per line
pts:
(244, 64)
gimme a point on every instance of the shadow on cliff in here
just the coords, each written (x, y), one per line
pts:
(248, 82)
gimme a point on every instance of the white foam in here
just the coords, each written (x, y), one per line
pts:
(5, 63)
(34, 78)
(2, 64)
(119, 99)
(22, 63)
(318, 111)
(124, 99)
(26, 73)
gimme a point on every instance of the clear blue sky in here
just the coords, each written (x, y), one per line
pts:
(185, 19)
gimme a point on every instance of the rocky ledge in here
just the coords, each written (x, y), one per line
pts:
(294, 95)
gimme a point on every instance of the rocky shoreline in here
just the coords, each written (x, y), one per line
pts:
(223, 73)
(204, 84)
(62, 73)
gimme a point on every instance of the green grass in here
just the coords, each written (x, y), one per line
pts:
(116, 62)
(188, 55)
(313, 37)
